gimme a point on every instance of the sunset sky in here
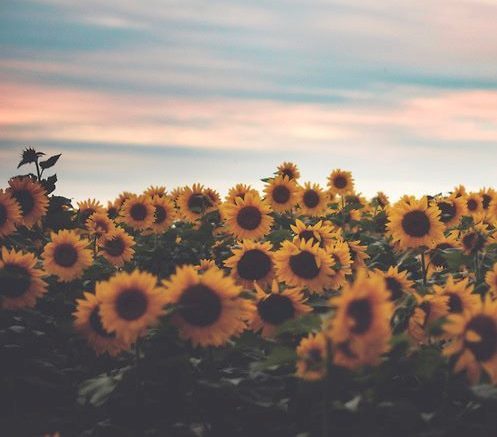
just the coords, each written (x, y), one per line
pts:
(134, 93)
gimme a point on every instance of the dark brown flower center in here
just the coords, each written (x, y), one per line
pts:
(14, 281)
(276, 309)
(112, 212)
(200, 305)
(472, 205)
(447, 211)
(486, 199)
(304, 265)
(249, 218)
(198, 203)
(314, 360)
(361, 312)
(87, 213)
(96, 324)
(288, 172)
(25, 200)
(101, 226)
(416, 224)
(115, 246)
(455, 303)
(473, 241)
(254, 265)
(138, 212)
(281, 194)
(65, 255)
(437, 258)
(160, 214)
(486, 348)
(307, 235)
(395, 288)
(3, 214)
(340, 182)
(311, 199)
(131, 304)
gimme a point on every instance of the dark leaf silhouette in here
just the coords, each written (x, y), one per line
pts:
(50, 162)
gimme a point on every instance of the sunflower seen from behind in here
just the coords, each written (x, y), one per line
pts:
(10, 214)
(21, 282)
(415, 224)
(281, 193)
(360, 329)
(88, 323)
(275, 307)
(251, 261)
(31, 198)
(130, 303)
(312, 357)
(66, 255)
(208, 307)
(304, 264)
(247, 218)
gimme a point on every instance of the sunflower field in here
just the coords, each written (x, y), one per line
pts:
(302, 310)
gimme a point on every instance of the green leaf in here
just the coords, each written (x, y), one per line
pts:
(50, 162)
(279, 356)
(300, 325)
(97, 390)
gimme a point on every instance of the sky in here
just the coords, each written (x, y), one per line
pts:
(172, 92)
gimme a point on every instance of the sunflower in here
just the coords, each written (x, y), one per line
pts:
(452, 209)
(474, 340)
(194, 203)
(99, 224)
(205, 264)
(31, 198)
(88, 207)
(152, 191)
(312, 357)
(304, 264)
(340, 182)
(460, 295)
(436, 261)
(239, 190)
(488, 195)
(66, 256)
(209, 309)
(164, 214)
(430, 308)
(321, 233)
(112, 210)
(312, 200)
(277, 307)
(10, 214)
(474, 203)
(117, 247)
(357, 254)
(248, 218)
(130, 303)
(397, 283)
(355, 201)
(122, 198)
(360, 330)
(459, 191)
(341, 255)
(281, 193)
(491, 281)
(380, 200)
(138, 212)
(288, 169)
(175, 193)
(20, 281)
(213, 196)
(474, 239)
(253, 261)
(415, 224)
(88, 323)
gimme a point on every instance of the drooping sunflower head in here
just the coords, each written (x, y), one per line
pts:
(87, 322)
(474, 204)
(304, 264)
(164, 213)
(312, 200)
(209, 309)
(322, 233)
(239, 190)
(396, 282)
(474, 340)
(312, 357)
(247, 218)
(380, 200)
(31, 198)
(452, 209)
(193, 202)
(158, 190)
(10, 214)
(87, 208)
(360, 330)
(459, 293)
(66, 256)
(20, 281)
(340, 254)
(340, 182)
(281, 193)
(99, 224)
(275, 307)
(415, 224)
(288, 169)
(117, 247)
(130, 303)
(252, 261)
(138, 212)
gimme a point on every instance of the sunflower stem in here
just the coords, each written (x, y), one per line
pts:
(423, 267)
(38, 170)
(477, 266)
